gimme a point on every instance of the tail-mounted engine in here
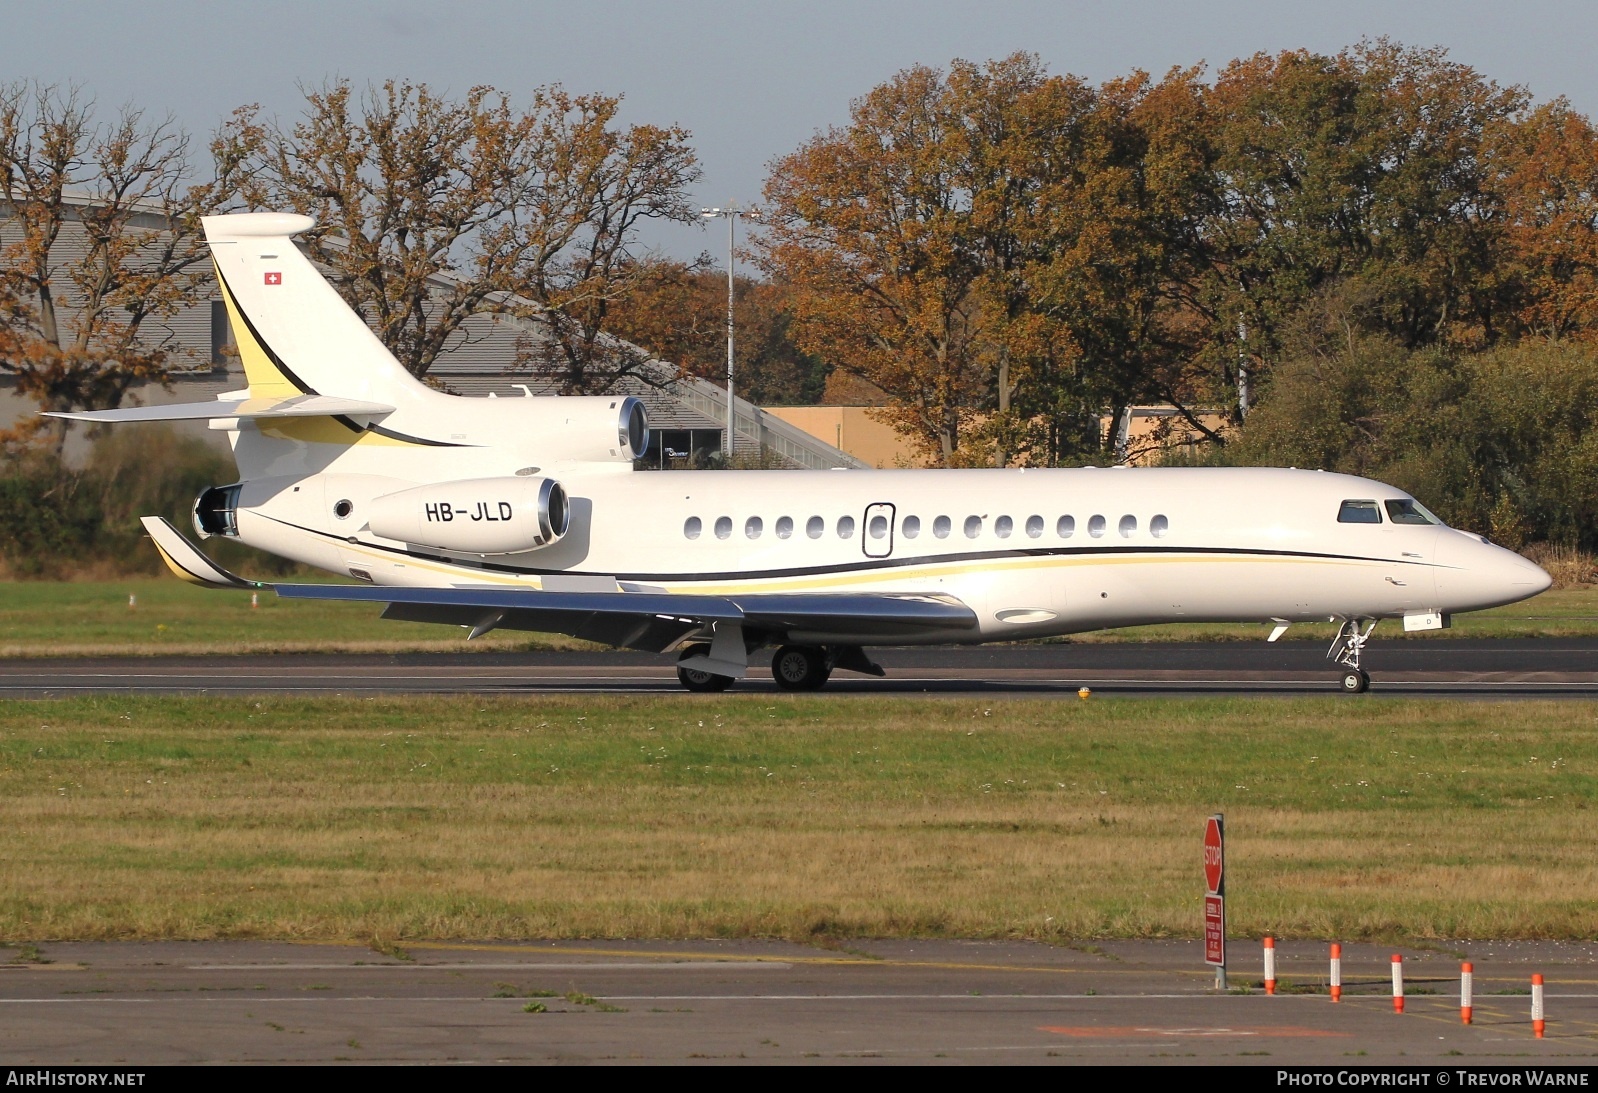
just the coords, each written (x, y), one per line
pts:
(476, 516)
(567, 428)
(216, 511)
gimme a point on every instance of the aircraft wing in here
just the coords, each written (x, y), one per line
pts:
(651, 621)
(654, 621)
(242, 409)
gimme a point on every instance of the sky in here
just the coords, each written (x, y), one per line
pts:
(751, 81)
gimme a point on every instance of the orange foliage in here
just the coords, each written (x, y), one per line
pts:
(75, 321)
(1547, 174)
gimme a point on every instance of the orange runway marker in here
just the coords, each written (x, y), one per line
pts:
(1270, 965)
(1465, 977)
(1537, 1022)
(1337, 972)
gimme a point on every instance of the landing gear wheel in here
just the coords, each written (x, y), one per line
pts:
(1346, 649)
(800, 667)
(700, 681)
(1355, 682)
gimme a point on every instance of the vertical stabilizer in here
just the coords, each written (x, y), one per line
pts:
(295, 334)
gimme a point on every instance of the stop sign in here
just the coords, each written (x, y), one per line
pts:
(1214, 859)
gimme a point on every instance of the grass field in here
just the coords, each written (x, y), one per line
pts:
(170, 617)
(463, 817)
(88, 618)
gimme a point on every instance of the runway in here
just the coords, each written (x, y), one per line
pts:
(1501, 669)
(1145, 1002)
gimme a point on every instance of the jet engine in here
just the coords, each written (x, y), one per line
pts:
(474, 516)
(560, 428)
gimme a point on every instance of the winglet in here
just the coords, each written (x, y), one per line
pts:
(184, 558)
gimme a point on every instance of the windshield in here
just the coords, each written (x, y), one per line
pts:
(1359, 512)
(1409, 511)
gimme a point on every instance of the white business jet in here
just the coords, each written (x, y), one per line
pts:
(526, 514)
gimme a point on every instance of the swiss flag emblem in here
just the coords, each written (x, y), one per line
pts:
(274, 278)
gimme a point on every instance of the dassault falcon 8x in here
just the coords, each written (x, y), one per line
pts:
(526, 513)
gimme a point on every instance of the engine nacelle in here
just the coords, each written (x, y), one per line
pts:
(475, 516)
(575, 428)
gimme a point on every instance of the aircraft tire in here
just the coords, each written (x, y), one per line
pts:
(694, 679)
(800, 668)
(1355, 682)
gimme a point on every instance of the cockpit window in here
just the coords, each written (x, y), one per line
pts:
(1359, 512)
(1409, 511)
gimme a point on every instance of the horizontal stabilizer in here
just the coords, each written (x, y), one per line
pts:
(296, 406)
(184, 558)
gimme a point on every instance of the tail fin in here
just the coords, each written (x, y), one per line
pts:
(295, 335)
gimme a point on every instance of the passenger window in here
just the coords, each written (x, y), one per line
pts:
(1096, 526)
(692, 527)
(912, 526)
(940, 527)
(1002, 527)
(784, 527)
(815, 526)
(878, 528)
(1159, 526)
(1034, 527)
(723, 527)
(1128, 526)
(973, 526)
(1409, 512)
(1065, 527)
(753, 527)
(846, 527)
(1359, 512)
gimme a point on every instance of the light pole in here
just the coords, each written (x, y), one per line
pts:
(731, 215)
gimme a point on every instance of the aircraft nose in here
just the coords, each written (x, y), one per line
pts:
(1530, 575)
(1473, 574)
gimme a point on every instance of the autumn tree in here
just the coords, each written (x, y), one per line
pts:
(431, 211)
(679, 313)
(99, 241)
(986, 247)
(1366, 173)
(1091, 304)
(1545, 171)
(871, 225)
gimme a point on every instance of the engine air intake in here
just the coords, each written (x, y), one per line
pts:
(216, 511)
(633, 431)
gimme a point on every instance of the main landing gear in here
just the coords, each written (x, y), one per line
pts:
(1345, 650)
(794, 667)
(808, 667)
(696, 680)
(801, 667)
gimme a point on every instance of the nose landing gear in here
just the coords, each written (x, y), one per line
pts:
(1346, 649)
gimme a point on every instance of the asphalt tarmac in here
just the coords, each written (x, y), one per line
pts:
(1145, 1002)
(1437, 667)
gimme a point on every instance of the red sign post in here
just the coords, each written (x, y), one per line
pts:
(1215, 897)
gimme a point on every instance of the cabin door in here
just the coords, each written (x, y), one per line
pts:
(878, 538)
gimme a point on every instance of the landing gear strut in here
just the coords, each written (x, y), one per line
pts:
(1345, 650)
